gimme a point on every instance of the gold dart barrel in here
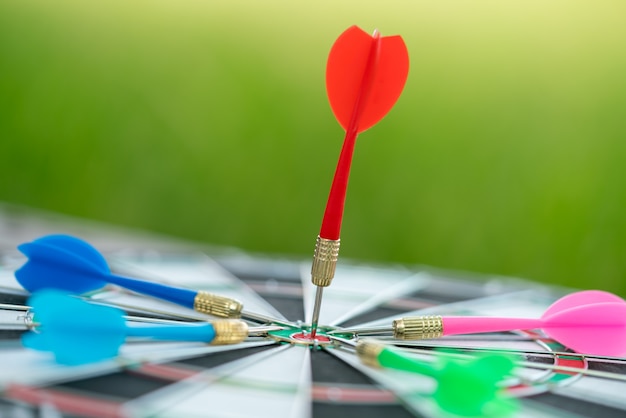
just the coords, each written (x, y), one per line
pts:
(418, 328)
(368, 352)
(229, 331)
(322, 272)
(216, 305)
(324, 261)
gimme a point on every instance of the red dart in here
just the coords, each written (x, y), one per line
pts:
(364, 78)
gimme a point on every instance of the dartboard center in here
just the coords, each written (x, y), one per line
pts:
(308, 339)
(302, 336)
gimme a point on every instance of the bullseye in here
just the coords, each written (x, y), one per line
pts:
(303, 336)
(307, 338)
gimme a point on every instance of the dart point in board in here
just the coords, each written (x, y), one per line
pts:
(365, 75)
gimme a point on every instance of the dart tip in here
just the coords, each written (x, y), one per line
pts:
(316, 311)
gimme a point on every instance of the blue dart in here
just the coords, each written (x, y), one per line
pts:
(72, 265)
(78, 332)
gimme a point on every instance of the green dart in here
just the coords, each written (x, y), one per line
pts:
(467, 388)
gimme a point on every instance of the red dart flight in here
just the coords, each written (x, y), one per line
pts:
(365, 75)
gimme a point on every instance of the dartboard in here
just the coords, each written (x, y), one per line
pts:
(277, 373)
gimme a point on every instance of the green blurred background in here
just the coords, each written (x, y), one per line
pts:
(506, 153)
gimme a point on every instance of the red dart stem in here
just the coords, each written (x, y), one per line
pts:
(333, 215)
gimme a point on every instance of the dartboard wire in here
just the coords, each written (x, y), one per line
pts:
(68, 400)
(227, 285)
(38, 369)
(192, 316)
(10, 307)
(24, 319)
(72, 401)
(352, 296)
(15, 318)
(487, 337)
(409, 285)
(342, 354)
(24, 322)
(557, 377)
(55, 403)
(226, 369)
(535, 353)
(243, 288)
(529, 364)
(130, 359)
(169, 395)
(284, 386)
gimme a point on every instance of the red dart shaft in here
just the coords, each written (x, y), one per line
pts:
(333, 215)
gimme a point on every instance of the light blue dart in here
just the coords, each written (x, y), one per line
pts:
(78, 332)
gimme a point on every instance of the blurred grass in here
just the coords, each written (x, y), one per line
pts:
(208, 120)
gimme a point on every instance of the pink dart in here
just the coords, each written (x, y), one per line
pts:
(590, 322)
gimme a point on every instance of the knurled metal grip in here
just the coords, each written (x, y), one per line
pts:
(418, 328)
(215, 305)
(324, 261)
(368, 352)
(229, 331)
